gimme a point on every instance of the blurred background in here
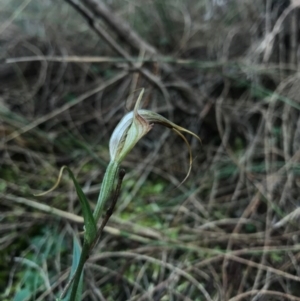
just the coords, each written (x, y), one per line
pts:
(226, 70)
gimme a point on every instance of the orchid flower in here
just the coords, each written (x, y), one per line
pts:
(128, 132)
(132, 127)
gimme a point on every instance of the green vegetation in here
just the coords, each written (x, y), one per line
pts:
(217, 68)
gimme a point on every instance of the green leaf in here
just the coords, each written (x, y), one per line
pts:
(75, 262)
(89, 222)
(23, 294)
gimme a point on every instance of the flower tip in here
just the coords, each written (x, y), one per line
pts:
(137, 104)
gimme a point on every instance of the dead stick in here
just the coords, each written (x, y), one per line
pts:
(104, 35)
(127, 34)
(124, 31)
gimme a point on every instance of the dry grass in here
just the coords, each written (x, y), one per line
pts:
(231, 231)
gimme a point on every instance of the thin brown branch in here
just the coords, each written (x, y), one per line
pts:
(125, 32)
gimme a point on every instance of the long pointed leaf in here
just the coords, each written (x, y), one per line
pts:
(89, 222)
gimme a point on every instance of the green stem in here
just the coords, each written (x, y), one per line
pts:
(83, 257)
(106, 188)
(105, 192)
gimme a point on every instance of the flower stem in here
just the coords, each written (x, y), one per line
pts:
(106, 188)
(105, 192)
